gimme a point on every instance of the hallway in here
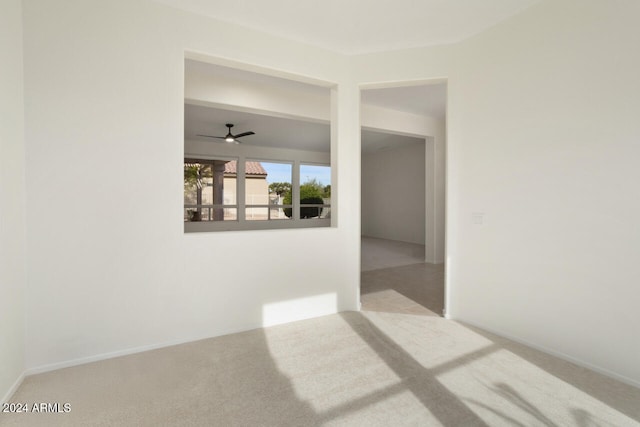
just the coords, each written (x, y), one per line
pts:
(402, 282)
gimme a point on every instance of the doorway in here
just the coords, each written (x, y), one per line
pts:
(402, 198)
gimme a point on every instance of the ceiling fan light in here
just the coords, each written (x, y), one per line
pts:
(230, 139)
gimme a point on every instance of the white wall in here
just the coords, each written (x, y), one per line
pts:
(397, 122)
(542, 138)
(543, 135)
(104, 96)
(12, 199)
(222, 87)
(547, 132)
(393, 194)
(434, 130)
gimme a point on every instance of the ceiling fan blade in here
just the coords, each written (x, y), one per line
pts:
(240, 135)
(210, 136)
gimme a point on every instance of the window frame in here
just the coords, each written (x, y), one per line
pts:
(270, 205)
(293, 157)
(210, 161)
(323, 205)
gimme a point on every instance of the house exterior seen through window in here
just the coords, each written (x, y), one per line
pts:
(271, 191)
(267, 184)
(210, 190)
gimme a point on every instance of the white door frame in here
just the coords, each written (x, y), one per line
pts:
(432, 205)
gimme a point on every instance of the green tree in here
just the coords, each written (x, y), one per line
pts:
(280, 188)
(314, 184)
(310, 194)
(193, 181)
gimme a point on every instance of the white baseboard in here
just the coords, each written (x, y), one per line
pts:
(560, 355)
(13, 388)
(125, 352)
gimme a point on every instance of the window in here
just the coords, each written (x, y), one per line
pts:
(210, 188)
(267, 185)
(315, 191)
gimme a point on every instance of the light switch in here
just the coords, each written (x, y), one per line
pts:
(477, 218)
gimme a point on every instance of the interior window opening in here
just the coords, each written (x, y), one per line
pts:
(257, 150)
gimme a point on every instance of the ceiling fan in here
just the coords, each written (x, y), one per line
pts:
(229, 137)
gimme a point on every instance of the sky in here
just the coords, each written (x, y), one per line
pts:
(321, 173)
(281, 172)
(277, 172)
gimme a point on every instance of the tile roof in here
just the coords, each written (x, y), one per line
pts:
(251, 168)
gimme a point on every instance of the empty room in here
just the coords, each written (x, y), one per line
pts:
(183, 204)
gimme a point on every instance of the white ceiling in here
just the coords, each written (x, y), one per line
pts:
(270, 131)
(220, 71)
(378, 141)
(424, 100)
(278, 132)
(361, 26)
(350, 27)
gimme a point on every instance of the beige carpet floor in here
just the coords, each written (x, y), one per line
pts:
(410, 289)
(382, 253)
(395, 278)
(349, 369)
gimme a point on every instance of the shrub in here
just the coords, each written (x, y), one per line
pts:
(309, 194)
